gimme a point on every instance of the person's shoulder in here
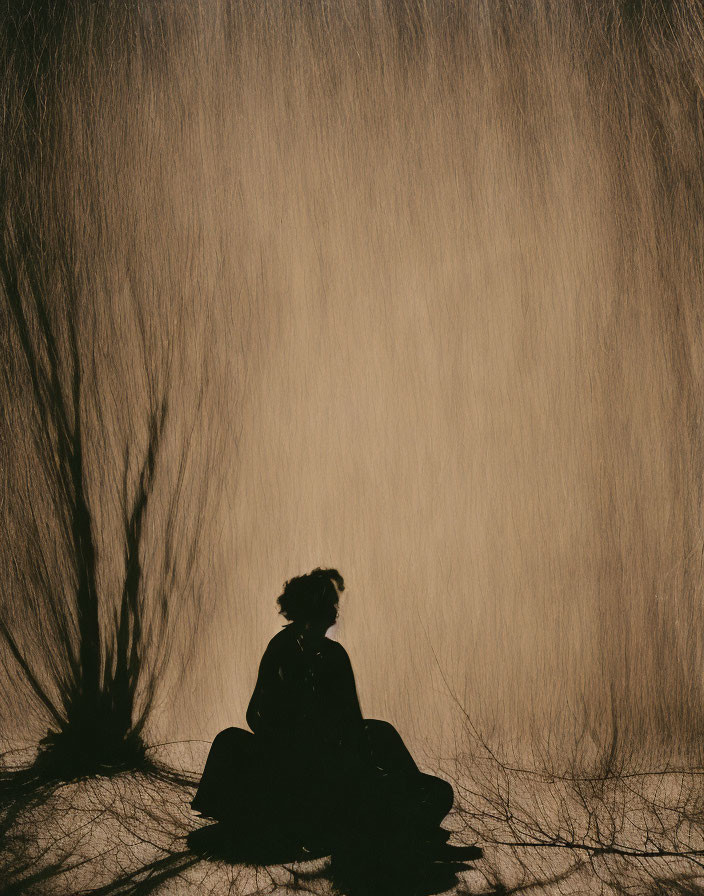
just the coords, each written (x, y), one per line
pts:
(280, 642)
(333, 645)
(335, 649)
(283, 636)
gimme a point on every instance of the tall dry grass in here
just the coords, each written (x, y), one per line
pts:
(458, 248)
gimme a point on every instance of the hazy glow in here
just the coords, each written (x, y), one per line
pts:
(454, 337)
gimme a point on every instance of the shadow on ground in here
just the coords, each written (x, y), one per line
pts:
(348, 875)
(134, 834)
(358, 870)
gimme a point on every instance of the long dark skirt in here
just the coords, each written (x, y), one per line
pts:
(256, 786)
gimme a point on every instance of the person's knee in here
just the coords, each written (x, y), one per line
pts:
(230, 739)
(382, 731)
(225, 736)
(388, 748)
(378, 725)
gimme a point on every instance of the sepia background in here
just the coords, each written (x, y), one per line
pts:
(422, 283)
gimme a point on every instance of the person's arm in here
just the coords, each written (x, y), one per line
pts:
(348, 713)
(261, 712)
(351, 711)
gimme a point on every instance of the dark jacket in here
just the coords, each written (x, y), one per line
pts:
(305, 698)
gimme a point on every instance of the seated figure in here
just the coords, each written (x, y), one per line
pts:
(313, 767)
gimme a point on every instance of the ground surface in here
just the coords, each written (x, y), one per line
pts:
(638, 834)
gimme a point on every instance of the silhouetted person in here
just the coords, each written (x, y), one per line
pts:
(314, 767)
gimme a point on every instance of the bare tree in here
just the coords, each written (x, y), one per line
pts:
(89, 653)
(596, 812)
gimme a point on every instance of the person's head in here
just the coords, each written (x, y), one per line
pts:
(310, 601)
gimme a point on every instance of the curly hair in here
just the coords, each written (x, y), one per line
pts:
(312, 597)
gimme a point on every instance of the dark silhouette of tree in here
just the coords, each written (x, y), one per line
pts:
(89, 653)
(99, 667)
